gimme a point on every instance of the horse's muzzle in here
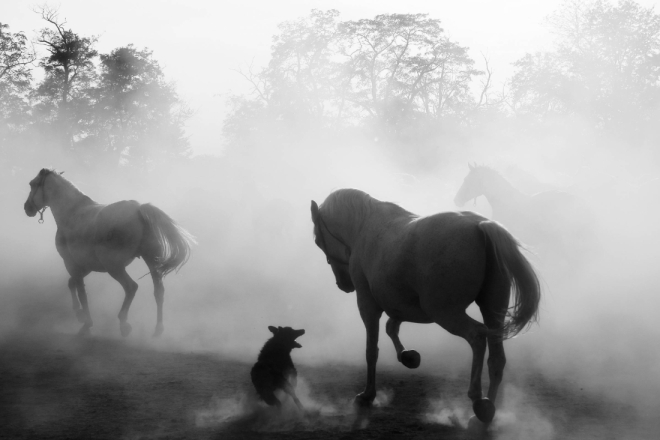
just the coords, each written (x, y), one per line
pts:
(30, 209)
(346, 288)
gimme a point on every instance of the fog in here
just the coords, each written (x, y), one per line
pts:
(255, 263)
(244, 274)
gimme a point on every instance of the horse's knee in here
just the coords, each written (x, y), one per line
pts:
(392, 328)
(479, 341)
(131, 289)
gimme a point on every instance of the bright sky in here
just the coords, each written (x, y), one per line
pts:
(199, 42)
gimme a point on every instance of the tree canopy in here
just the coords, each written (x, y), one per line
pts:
(398, 75)
(605, 68)
(114, 109)
(15, 79)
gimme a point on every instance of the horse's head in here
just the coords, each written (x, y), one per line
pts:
(38, 198)
(337, 253)
(472, 185)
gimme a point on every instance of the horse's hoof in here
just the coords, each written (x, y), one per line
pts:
(476, 429)
(80, 315)
(410, 358)
(363, 401)
(159, 330)
(125, 328)
(84, 330)
(484, 410)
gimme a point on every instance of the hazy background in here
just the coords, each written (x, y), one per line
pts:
(243, 170)
(199, 43)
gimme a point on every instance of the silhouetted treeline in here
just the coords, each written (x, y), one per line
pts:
(399, 79)
(93, 109)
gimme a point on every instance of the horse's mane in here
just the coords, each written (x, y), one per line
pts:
(67, 183)
(347, 200)
(493, 172)
(357, 204)
(487, 169)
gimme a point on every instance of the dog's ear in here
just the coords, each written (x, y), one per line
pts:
(272, 329)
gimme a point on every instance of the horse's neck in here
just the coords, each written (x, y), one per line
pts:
(501, 194)
(64, 200)
(386, 215)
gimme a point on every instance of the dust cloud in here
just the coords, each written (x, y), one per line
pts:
(256, 264)
(250, 269)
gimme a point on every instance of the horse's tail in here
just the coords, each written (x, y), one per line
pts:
(169, 241)
(525, 286)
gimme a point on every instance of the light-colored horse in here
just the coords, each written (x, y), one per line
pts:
(428, 270)
(106, 238)
(552, 220)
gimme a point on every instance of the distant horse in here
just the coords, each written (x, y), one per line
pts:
(554, 219)
(106, 238)
(425, 270)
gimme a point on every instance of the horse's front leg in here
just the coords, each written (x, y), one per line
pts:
(80, 315)
(83, 315)
(370, 313)
(409, 358)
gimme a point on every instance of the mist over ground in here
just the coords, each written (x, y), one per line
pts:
(256, 264)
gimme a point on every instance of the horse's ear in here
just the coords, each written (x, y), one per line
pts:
(61, 172)
(43, 171)
(315, 211)
(272, 329)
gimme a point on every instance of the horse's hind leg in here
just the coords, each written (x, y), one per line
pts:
(493, 302)
(409, 358)
(494, 320)
(159, 295)
(457, 322)
(130, 287)
(496, 357)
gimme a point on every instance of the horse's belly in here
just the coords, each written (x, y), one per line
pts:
(404, 308)
(415, 315)
(87, 259)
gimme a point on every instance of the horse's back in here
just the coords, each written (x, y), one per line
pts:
(119, 225)
(443, 259)
(448, 237)
(119, 212)
(559, 211)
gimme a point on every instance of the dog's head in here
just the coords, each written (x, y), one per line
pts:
(286, 336)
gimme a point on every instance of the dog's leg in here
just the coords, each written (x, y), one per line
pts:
(291, 392)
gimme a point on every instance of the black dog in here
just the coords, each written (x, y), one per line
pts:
(274, 369)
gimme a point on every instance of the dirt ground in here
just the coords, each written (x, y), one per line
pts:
(65, 387)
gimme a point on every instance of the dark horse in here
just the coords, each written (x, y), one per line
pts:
(425, 270)
(106, 238)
